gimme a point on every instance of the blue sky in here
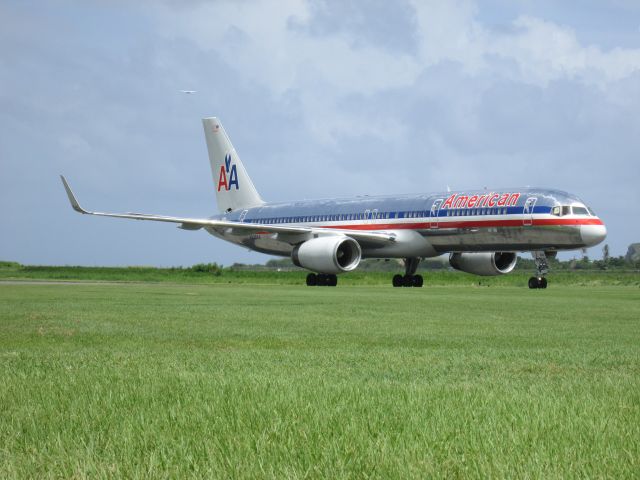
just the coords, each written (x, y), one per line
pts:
(320, 99)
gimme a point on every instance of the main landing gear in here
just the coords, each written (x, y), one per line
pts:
(410, 279)
(542, 268)
(321, 280)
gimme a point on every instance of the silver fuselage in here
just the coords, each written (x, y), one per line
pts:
(427, 225)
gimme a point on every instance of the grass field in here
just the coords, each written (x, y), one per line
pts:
(246, 381)
(15, 271)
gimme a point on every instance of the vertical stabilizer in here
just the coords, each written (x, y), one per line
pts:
(234, 188)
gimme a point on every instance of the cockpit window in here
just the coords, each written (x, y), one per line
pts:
(580, 211)
(591, 212)
(562, 210)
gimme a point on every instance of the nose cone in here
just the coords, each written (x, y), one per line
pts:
(593, 234)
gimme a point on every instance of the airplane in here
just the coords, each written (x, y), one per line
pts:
(481, 230)
(188, 92)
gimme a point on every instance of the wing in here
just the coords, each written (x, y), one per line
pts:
(370, 239)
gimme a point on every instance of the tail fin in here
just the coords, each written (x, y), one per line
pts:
(234, 188)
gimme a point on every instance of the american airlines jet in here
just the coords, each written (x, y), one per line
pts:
(481, 230)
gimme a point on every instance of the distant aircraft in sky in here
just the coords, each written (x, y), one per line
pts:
(188, 92)
(481, 230)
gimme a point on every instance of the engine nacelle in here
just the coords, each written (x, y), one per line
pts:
(484, 263)
(328, 254)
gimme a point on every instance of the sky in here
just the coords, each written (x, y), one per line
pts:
(320, 98)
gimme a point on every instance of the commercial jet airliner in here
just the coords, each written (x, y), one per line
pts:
(481, 230)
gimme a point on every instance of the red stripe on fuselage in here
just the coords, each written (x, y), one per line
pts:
(470, 224)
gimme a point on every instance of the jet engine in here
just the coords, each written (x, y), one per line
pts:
(334, 254)
(484, 263)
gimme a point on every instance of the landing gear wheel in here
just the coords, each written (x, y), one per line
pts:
(542, 268)
(408, 281)
(537, 282)
(322, 280)
(312, 280)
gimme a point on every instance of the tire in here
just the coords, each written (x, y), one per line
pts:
(332, 281)
(397, 280)
(543, 282)
(312, 280)
(533, 283)
(407, 281)
(418, 281)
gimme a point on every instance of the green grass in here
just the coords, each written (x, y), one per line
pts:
(224, 381)
(15, 271)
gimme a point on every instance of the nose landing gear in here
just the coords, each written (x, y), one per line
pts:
(410, 279)
(537, 282)
(542, 268)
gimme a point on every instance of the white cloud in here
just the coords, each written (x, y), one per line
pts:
(273, 48)
(546, 52)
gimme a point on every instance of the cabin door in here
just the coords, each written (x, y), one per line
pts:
(435, 210)
(527, 219)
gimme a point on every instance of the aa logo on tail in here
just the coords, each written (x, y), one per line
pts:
(230, 170)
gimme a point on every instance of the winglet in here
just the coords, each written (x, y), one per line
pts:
(72, 199)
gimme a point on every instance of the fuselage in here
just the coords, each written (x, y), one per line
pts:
(427, 225)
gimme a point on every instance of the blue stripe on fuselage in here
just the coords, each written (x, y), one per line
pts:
(393, 208)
